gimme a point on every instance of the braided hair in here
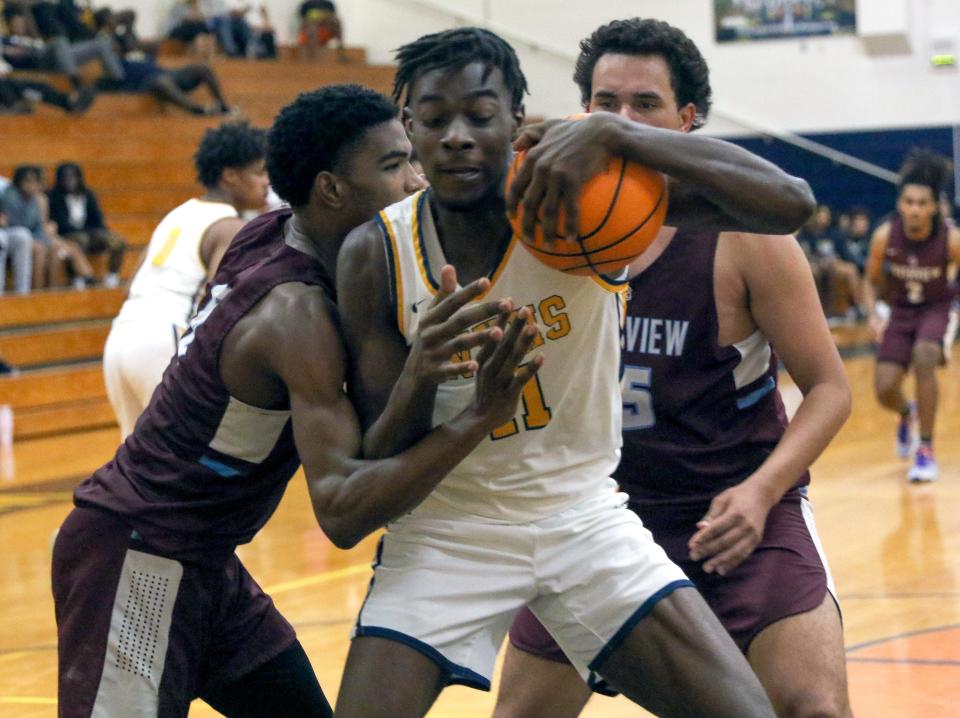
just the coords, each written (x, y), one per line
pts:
(454, 50)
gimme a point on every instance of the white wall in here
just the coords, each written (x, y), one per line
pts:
(801, 85)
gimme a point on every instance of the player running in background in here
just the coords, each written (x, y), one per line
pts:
(911, 259)
(183, 253)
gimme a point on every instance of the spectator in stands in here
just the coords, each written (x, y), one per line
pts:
(16, 244)
(187, 24)
(854, 244)
(18, 96)
(260, 41)
(60, 19)
(25, 205)
(838, 281)
(319, 25)
(78, 217)
(24, 50)
(145, 74)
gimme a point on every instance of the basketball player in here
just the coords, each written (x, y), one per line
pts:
(183, 252)
(708, 460)
(530, 517)
(153, 606)
(911, 257)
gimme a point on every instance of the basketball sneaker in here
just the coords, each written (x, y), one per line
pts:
(906, 432)
(924, 465)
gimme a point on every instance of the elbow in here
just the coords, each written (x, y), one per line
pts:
(340, 534)
(799, 205)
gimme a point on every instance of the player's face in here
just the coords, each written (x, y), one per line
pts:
(378, 172)
(917, 206)
(250, 185)
(638, 87)
(461, 124)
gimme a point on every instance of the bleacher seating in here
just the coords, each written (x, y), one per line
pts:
(139, 161)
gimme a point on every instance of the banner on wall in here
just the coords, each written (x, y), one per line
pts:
(736, 20)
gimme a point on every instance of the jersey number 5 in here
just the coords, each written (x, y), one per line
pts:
(637, 399)
(536, 413)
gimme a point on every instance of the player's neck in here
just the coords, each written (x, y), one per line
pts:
(918, 233)
(312, 235)
(471, 239)
(215, 194)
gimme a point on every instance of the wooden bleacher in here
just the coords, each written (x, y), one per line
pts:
(138, 159)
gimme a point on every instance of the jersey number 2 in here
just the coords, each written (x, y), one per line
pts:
(637, 399)
(536, 413)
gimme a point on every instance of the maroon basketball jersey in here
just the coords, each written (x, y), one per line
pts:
(698, 417)
(917, 270)
(203, 471)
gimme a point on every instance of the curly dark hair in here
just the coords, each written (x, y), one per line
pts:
(689, 74)
(927, 168)
(22, 172)
(454, 50)
(311, 134)
(233, 144)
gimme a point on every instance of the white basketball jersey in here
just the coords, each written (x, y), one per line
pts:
(564, 441)
(172, 272)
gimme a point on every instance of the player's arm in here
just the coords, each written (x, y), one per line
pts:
(713, 183)
(393, 386)
(785, 306)
(216, 240)
(290, 344)
(954, 240)
(873, 278)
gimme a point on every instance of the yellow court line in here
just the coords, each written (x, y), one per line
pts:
(319, 578)
(28, 700)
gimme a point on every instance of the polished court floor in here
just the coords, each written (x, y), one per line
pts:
(894, 550)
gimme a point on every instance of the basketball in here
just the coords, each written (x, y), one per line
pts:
(621, 211)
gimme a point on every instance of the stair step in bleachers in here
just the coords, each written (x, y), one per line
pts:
(40, 421)
(55, 306)
(27, 348)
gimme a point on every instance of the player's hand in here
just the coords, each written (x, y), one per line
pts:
(565, 154)
(503, 373)
(879, 319)
(443, 330)
(731, 528)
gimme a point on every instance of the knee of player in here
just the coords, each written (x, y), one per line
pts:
(925, 357)
(812, 703)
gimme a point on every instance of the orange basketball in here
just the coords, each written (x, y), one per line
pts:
(621, 211)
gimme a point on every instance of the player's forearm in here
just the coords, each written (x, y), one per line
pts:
(819, 417)
(755, 193)
(349, 506)
(407, 417)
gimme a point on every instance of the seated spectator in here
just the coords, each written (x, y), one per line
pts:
(258, 39)
(319, 25)
(78, 217)
(25, 51)
(25, 205)
(19, 96)
(838, 281)
(854, 246)
(16, 244)
(144, 74)
(187, 24)
(60, 19)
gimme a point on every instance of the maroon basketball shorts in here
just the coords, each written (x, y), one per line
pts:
(908, 325)
(785, 575)
(140, 634)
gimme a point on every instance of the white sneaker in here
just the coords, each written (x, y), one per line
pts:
(924, 466)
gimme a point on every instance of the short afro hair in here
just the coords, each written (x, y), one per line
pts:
(311, 134)
(233, 144)
(689, 74)
(927, 168)
(454, 50)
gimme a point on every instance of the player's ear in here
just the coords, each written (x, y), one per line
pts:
(519, 115)
(406, 117)
(688, 113)
(329, 190)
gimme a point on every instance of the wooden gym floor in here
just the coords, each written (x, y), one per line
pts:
(894, 550)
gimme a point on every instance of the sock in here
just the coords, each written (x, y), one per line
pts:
(905, 411)
(927, 441)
